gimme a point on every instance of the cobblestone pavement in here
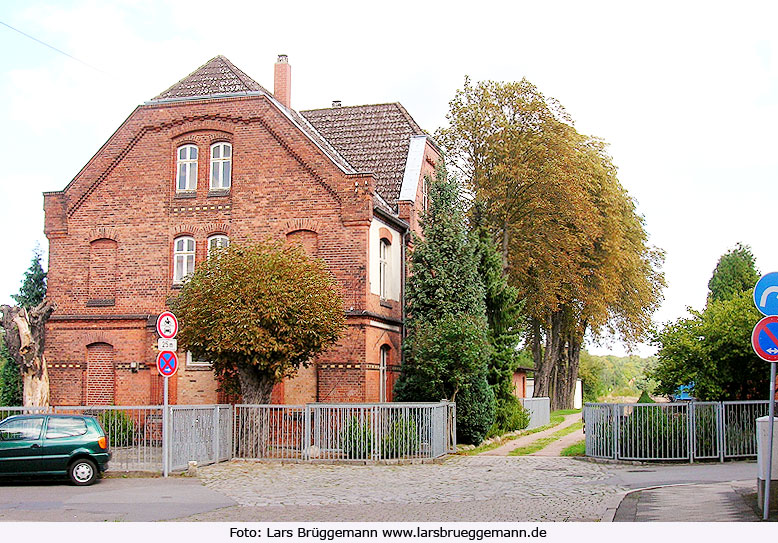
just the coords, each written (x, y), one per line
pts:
(480, 488)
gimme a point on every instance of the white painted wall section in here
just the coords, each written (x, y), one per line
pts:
(395, 260)
(413, 166)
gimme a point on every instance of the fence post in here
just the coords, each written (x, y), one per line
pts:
(615, 427)
(720, 429)
(307, 433)
(691, 435)
(216, 433)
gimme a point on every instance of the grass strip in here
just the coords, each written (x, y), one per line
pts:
(544, 442)
(557, 418)
(576, 449)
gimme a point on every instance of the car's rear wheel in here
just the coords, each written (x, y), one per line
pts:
(83, 472)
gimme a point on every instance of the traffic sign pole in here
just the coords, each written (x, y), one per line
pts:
(165, 432)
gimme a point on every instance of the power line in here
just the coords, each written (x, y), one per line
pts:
(52, 47)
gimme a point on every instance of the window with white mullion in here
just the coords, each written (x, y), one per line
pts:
(217, 242)
(383, 268)
(221, 165)
(183, 258)
(186, 178)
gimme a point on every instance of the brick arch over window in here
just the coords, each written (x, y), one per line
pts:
(100, 382)
(102, 272)
(102, 232)
(307, 239)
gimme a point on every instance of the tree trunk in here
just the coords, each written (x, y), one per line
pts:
(544, 369)
(25, 338)
(255, 386)
(566, 373)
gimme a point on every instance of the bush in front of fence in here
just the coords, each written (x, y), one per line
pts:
(402, 439)
(649, 432)
(356, 439)
(119, 428)
(510, 416)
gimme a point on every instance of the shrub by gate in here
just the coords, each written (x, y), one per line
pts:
(672, 431)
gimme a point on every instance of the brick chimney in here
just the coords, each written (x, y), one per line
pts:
(282, 80)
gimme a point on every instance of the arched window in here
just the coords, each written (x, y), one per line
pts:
(384, 362)
(183, 258)
(186, 179)
(383, 268)
(217, 242)
(221, 165)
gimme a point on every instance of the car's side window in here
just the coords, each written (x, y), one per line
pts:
(65, 427)
(22, 429)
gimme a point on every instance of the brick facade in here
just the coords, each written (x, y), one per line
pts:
(112, 231)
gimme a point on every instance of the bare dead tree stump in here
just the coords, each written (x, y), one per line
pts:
(25, 338)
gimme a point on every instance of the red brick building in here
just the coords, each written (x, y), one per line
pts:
(216, 158)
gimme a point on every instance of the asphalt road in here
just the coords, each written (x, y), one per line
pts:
(119, 499)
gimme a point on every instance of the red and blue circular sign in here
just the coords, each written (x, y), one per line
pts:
(764, 339)
(167, 363)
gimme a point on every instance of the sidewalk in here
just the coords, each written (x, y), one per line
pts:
(733, 501)
(522, 441)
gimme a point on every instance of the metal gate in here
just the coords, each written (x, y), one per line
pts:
(199, 433)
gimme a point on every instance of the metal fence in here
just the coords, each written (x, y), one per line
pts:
(539, 411)
(134, 434)
(672, 431)
(212, 433)
(344, 431)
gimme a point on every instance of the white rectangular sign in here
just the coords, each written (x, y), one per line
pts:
(167, 344)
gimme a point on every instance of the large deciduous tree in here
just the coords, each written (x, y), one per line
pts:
(571, 240)
(735, 273)
(259, 312)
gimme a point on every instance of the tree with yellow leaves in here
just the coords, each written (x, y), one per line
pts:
(571, 240)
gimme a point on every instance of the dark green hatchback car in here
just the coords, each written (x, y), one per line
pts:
(72, 445)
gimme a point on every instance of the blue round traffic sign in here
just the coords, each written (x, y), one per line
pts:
(766, 294)
(167, 363)
(764, 339)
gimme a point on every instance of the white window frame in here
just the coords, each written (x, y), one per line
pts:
(217, 241)
(186, 254)
(383, 363)
(189, 163)
(425, 194)
(221, 166)
(384, 254)
(192, 362)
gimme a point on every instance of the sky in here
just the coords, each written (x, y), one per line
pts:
(686, 94)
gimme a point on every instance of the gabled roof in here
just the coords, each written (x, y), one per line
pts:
(373, 138)
(216, 77)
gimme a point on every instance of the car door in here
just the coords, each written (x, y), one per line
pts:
(63, 436)
(20, 445)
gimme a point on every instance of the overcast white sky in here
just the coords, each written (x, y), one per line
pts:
(685, 93)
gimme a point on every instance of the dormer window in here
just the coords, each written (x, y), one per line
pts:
(221, 166)
(186, 179)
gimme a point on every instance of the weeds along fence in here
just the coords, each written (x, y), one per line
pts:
(686, 431)
(213, 433)
(539, 411)
(345, 431)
